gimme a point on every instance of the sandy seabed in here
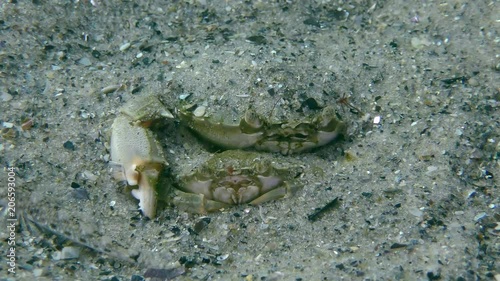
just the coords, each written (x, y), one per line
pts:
(417, 191)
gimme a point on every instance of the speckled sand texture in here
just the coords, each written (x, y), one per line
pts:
(417, 191)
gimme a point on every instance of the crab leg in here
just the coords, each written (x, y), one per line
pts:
(244, 135)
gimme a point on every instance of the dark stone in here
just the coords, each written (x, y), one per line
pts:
(80, 194)
(433, 276)
(69, 145)
(136, 278)
(340, 266)
(257, 39)
(311, 104)
(201, 225)
(96, 54)
(337, 15)
(312, 22)
(367, 194)
(398, 245)
(164, 274)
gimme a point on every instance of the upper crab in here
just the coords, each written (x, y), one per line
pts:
(253, 131)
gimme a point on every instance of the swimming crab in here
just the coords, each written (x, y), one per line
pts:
(254, 131)
(229, 178)
(236, 177)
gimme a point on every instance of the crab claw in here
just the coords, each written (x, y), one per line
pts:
(146, 193)
(140, 157)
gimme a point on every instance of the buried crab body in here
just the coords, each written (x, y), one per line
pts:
(229, 178)
(235, 177)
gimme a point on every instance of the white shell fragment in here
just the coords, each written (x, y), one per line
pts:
(67, 253)
(111, 89)
(199, 111)
(124, 47)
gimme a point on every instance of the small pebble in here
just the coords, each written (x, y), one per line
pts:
(111, 89)
(5, 96)
(431, 169)
(89, 175)
(473, 82)
(84, 61)
(201, 225)
(222, 257)
(7, 125)
(480, 216)
(415, 211)
(419, 43)
(162, 274)
(184, 96)
(69, 145)
(124, 47)
(61, 55)
(67, 253)
(183, 64)
(136, 278)
(70, 252)
(37, 272)
(199, 111)
(106, 158)
(80, 194)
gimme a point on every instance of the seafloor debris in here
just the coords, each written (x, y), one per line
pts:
(319, 212)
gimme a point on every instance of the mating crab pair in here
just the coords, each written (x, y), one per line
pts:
(252, 178)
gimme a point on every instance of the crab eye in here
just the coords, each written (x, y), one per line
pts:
(251, 122)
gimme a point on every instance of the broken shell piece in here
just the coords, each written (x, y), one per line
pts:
(140, 158)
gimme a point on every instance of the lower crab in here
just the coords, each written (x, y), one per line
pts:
(236, 177)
